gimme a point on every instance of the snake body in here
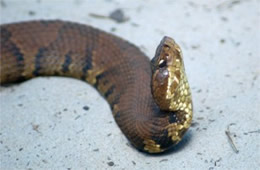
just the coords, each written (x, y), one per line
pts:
(151, 102)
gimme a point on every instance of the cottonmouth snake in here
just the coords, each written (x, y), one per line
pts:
(151, 101)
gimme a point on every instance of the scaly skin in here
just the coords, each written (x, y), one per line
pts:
(116, 68)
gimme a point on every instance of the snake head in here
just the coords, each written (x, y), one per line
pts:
(167, 68)
(168, 53)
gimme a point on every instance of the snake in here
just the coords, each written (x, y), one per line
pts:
(150, 99)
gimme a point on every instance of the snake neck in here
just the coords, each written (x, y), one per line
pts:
(178, 90)
(179, 96)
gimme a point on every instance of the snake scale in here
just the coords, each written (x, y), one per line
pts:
(150, 100)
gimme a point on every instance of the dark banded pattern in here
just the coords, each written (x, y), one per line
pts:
(37, 64)
(116, 68)
(67, 62)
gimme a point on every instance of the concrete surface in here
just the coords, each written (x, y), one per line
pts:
(62, 123)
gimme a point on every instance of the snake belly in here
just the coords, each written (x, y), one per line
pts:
(116, 68)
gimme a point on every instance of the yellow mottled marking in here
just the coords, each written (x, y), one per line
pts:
(151, 146)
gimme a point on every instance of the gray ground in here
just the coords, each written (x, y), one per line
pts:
(62, 123)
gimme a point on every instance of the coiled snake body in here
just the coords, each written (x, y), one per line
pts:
(151, 101)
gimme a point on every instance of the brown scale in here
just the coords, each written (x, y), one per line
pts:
(118, 69)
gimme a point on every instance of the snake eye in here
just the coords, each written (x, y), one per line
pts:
(162, 63)
(166, 47)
